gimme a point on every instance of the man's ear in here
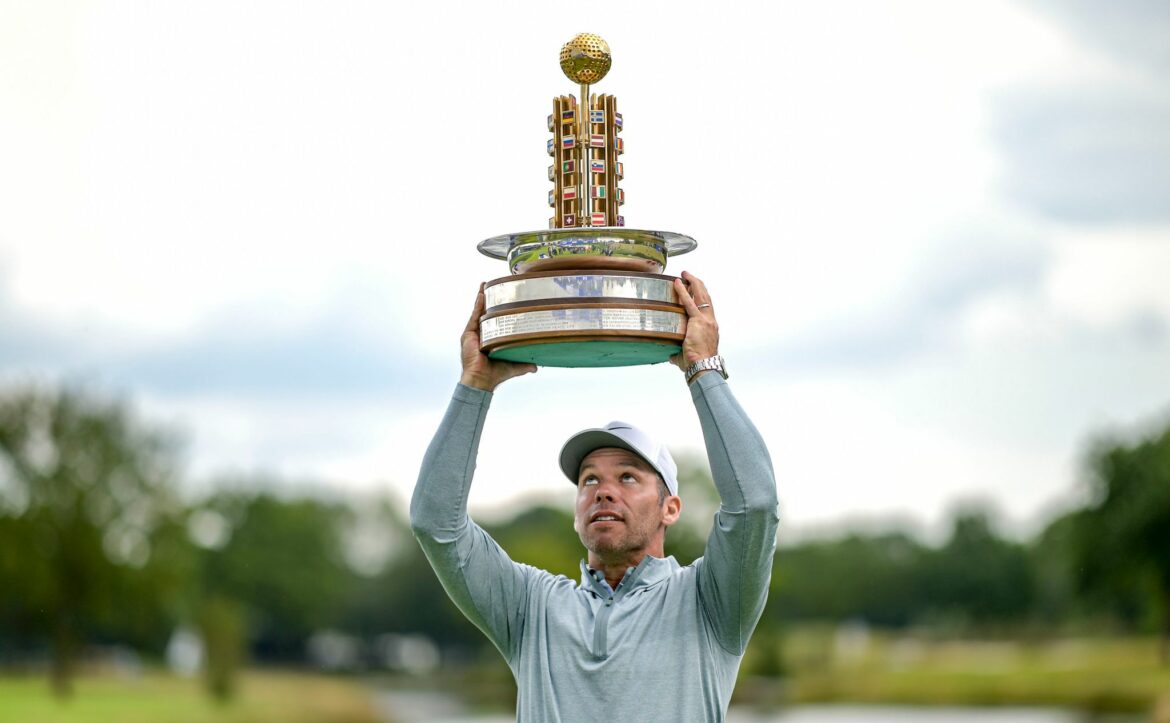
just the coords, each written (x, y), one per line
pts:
(672, 508)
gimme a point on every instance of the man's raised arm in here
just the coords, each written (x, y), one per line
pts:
(476, 573)
(737, 563)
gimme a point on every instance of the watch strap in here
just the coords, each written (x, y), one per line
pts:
(711, 363)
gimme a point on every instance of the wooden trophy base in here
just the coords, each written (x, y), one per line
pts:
(582, 318)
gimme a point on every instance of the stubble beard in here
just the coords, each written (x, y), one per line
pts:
(611, 548)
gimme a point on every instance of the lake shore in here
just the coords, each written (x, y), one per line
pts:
(1095, 675)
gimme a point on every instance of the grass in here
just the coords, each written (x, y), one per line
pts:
(1099, 675)
(822, 664)
(263, 697)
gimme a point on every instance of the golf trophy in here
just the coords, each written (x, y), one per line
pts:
(588, 292)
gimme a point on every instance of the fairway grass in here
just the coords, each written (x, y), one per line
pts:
(1097, 675)
(264, 696)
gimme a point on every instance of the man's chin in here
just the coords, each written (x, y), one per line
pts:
(606, 546)
(595, 542)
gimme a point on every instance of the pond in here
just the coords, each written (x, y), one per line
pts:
(905, 714)
(434, 707)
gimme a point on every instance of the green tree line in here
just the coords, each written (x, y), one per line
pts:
(98, 545)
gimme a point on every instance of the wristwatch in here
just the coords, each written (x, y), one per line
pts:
(713, 363)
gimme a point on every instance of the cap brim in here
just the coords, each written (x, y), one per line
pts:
(581, 444)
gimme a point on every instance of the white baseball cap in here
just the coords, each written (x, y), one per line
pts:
(623, 436)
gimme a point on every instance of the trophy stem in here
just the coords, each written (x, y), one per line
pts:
(584, 128)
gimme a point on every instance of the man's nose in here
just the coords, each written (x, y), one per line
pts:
(604, 492)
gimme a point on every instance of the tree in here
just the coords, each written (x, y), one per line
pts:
(978, 576)
(85, 491)
(1054, 572)
(1123, 535)
(542, 537)
(870, 577)
(283, 561)
(687, 539)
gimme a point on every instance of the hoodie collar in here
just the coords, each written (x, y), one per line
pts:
(650, 571)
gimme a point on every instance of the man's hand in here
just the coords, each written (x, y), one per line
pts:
(702, 339)
(479, 370)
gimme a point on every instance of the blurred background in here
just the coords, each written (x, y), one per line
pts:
(237, 247)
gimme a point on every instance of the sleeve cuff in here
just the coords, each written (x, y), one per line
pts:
(704, 382)
(471, 395)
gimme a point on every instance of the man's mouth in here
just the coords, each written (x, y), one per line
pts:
(605, 517)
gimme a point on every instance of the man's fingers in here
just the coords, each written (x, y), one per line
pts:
(685, 298)
(697, 288)
(695, 284)
(476, 312)
(518, 370)
(695, 298)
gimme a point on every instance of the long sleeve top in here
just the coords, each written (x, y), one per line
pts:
(666, 644)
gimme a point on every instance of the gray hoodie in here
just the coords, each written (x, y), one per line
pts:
(667, 643)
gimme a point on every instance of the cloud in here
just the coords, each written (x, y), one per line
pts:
(324, 359)
(957, 270)
(27, 343)
(1133, 31)
(24, 345)
(278, 353)
(1087, 155)
(1092, 148)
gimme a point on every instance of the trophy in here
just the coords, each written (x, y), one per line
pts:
(588, 292)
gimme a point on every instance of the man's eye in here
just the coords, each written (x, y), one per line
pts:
(629, 478)
(589, 481)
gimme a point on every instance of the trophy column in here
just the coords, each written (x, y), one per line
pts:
(587, 292)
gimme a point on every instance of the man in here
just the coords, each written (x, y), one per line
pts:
(640, 638)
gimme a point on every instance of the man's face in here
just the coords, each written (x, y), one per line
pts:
(618, 513)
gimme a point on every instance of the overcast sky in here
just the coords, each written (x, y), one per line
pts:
(937, 234)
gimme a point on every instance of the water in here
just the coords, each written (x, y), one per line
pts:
(434, 707)
(907, 714)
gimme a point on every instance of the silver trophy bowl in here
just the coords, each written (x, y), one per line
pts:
(589, 247)
(584, 297)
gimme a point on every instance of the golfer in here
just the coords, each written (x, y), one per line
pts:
(640, 637)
